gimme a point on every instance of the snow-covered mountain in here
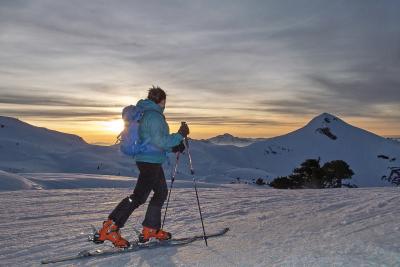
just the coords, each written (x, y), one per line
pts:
(228, 139)
(326, 137)
(397, 139)
(329, 138)
(26, 148)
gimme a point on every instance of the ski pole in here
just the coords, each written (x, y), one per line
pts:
(172, 184)
(195, 188)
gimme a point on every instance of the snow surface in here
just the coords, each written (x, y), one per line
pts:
(330, 227)
(10, 181)
(79, 181)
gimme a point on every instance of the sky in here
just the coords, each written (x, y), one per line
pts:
(249, 68)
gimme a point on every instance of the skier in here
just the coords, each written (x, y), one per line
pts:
(153, 127)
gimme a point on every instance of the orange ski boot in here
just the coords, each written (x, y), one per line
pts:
(148, 233)
(110, 232)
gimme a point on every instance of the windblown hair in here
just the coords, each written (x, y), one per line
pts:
(156, 94)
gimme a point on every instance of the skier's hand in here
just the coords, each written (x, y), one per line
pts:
(184, 130)
(179, 148)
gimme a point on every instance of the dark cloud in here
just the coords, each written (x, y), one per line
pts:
(223, 120)
(52, 100)
(371, 89)
(62, 114)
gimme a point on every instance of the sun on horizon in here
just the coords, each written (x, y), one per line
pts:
(105, 132)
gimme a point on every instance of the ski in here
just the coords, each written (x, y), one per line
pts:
(135, 246)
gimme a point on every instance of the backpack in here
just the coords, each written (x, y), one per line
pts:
(129, 140)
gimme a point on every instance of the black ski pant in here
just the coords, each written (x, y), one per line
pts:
(151, 178)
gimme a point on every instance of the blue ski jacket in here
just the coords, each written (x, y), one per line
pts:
(154, 128)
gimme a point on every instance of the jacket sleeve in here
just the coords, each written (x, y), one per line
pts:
(158, 136)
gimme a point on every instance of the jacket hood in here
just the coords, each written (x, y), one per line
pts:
(147, 104)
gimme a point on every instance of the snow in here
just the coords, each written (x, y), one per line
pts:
(330, 227)
(53, 186)
(81, 180)
(359, 148)
(28, 149)
(228, 139)
(10, 181)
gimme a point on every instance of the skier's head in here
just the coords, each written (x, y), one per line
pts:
(157, 95)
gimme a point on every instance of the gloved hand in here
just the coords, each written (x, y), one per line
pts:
(179, 148)
(184, 130)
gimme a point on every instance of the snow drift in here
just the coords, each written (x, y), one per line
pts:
(10, 181)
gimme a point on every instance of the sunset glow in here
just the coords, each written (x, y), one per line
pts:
(113, 126)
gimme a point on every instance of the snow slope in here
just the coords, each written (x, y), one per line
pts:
(332, 227)
(10, 181)
(25, 149)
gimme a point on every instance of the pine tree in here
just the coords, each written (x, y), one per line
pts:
(336, 171)
(311, 175)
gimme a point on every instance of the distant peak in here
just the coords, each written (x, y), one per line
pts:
(5, 118)
(324, 120)
(326, 115)
(225, 135)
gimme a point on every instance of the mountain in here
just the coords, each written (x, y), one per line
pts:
(25, 148)
(329, 138)
(326, 137)
(228, 139)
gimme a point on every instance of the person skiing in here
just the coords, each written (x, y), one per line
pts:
(153, 127)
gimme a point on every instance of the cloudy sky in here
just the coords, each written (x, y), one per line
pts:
(250, 68)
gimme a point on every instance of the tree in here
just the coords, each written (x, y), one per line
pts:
(281, 183)
(394, 176)
(260, 181)
(311, 175)
(335, 171)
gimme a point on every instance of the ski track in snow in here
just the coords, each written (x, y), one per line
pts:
(332, 227)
